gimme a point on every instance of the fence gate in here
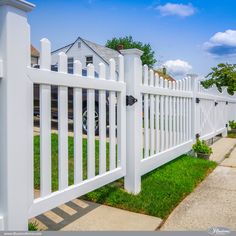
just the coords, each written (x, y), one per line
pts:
(211, 112)
(92, 167)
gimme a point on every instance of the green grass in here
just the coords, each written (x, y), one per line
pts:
(231, 135)
(54, 141)
(162, 189)
(33, 226)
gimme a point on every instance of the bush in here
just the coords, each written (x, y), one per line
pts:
(232, 124)
(33, 226)
(201, 147)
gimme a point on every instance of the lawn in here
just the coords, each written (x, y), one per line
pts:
(162, 189)
(54, 147)
(231, 134)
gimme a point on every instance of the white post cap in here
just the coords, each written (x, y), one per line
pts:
(19, 4)
(132, 51)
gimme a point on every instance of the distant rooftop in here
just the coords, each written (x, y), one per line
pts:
(34, 51)
(164, 75)
(103, 52)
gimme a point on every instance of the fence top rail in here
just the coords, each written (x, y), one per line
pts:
(145, 89)
(38, 76)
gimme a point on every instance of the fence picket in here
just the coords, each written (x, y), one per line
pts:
(162, 131)
(78, 123)
(63, 126)
(157, 115)
(45, 122)
(181, 115)
(187, 111)
(102, 122)
(174, 117)
(170, 117)
(91, 125)
(184, 112)
(146, 115)
(189, 119)
(121, 68)
(112, 118)
(152, 114)
(178, 115)
(121, 122)
(166, 117)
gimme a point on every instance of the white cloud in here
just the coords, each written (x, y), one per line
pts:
(177, 67)
(228, 37)
(222, 43)
(172, 9)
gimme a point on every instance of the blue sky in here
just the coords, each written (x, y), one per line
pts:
(187, 36)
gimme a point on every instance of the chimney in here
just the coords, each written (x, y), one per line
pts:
(164, 71)
(120, 47)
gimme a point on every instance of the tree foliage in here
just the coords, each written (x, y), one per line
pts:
(222, 75)
(127, 42)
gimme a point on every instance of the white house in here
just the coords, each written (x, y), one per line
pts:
(87, 52)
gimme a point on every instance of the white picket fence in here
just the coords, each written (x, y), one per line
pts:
(116, 89)
(176, 113)
(161, 125)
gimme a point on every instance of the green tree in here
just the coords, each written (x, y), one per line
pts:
(127, 42)
(222, 75)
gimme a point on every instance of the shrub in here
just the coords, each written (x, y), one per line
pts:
(202, 147)
(33, 226)
(232, 124)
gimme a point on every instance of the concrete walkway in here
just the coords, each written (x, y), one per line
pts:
(213, 203)
(231, 160)
(222, 148)
(79, 215)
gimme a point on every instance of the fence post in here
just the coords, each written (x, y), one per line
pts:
(195, 113)
(16, 110)
(226, 96)
(133, 79)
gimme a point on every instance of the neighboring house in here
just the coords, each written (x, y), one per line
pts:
(86, 52)
(34, 56)
(163, 73)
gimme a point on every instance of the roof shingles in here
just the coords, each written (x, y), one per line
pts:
(102, 51)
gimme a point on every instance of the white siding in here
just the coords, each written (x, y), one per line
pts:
(80, 53)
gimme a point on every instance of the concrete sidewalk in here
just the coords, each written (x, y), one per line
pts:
(79, 215)
(213, 203)
(231, 160)
(221, 148)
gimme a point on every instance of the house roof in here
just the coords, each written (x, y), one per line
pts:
(164, 76)
(104, 52)
(34, 51)
(65, 48)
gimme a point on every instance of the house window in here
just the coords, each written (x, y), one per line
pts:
(70, 65)
(89, 60)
